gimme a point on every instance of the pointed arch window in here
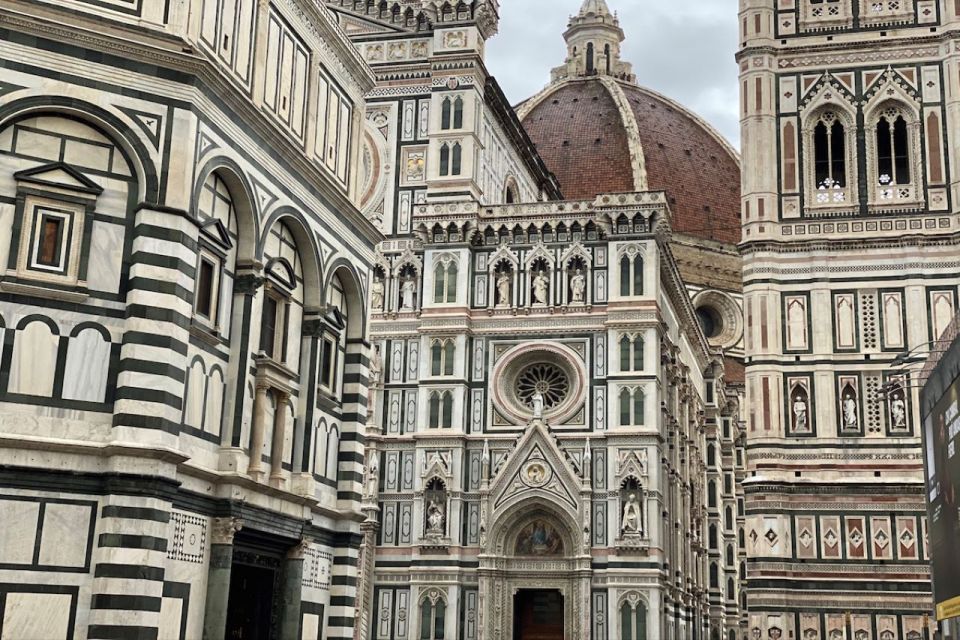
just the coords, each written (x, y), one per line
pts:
(606, 53)
(632, 407)
(456, 159)
(631, 275)
(444, 159)
(829, 150)
(445, 113)
(442, 355)
(590, 59)
(893, 148)
(633, 620)
(445, 282)
(458, 113)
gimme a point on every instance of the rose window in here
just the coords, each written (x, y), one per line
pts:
(547, 379)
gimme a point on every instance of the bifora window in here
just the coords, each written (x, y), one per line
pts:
(442, 354)
(631, 275)
(633, 621)
(829, 150)
(632, 407)
(432, 618)
(631, 353)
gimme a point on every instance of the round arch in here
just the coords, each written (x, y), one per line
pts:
(354, 292)
(241, 193)
(314, 292)
(135, 153)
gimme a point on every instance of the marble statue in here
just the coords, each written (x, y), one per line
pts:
(376, 295)
(376, 366)
(578, 287)
(373, 474)
(407, 292)
(850, 420)
(898, 411)
(631, 522)
(503, 289)
(540, 288)
(537, 405)
(799, 414)
(435, 518)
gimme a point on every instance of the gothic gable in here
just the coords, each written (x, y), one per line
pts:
(537, 468)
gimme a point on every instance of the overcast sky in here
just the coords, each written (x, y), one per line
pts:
(682, 48)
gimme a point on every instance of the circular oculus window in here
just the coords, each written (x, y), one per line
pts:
(554, 371)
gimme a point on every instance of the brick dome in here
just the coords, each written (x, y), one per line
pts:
(602, 134)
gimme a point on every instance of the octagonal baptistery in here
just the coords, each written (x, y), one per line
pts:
(600, 132)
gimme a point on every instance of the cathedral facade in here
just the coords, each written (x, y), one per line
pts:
(849, 244)
(555, 446)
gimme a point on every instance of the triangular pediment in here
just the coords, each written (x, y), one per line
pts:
(536, 468)
(60, 175)
(215, 229)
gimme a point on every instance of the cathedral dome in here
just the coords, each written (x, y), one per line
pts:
(599, 132)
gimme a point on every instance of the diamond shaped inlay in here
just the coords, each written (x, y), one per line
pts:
(830, 538)
(856, 537)
(906, 538)
(806, 538)
(771, 536)
(881, 539)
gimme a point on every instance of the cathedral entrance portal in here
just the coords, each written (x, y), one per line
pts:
(538, 615)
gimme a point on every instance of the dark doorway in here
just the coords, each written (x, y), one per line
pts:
(254, 589)
(538, 615)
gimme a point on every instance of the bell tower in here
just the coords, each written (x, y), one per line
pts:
(593, 40)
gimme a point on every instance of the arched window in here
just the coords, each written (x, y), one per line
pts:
(445, 282)
(445, 114)
(444, 159)
(458, 113)
(741, 539)
(728, 519)
(217, 254)
(730, 589)
(455, 163)
(829, 150)
(712, 544)
(631, 275)
(730, 557)
(442, 354)
(633, 620)
(590, 62)
(632, 407)
(510, 193)
(711, 455)
(714, 576)
(441, 410)
(433, 612)
(893, 149)
(712, 494)
(606, 53)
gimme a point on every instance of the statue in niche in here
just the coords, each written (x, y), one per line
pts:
(540, 288)
(376, 294)
(578, 287)
(850, 418)
(631, 522)
(898, 410)
(435, 518)
(539, 539)
(537, 401)
(376, 366)
(373, 474)
(503, 289)
(800, 414)
(407, 293)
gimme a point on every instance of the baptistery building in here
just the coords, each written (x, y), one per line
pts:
(554, 447)
(182, 303)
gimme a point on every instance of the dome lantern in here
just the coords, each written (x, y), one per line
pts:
(593, 39)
